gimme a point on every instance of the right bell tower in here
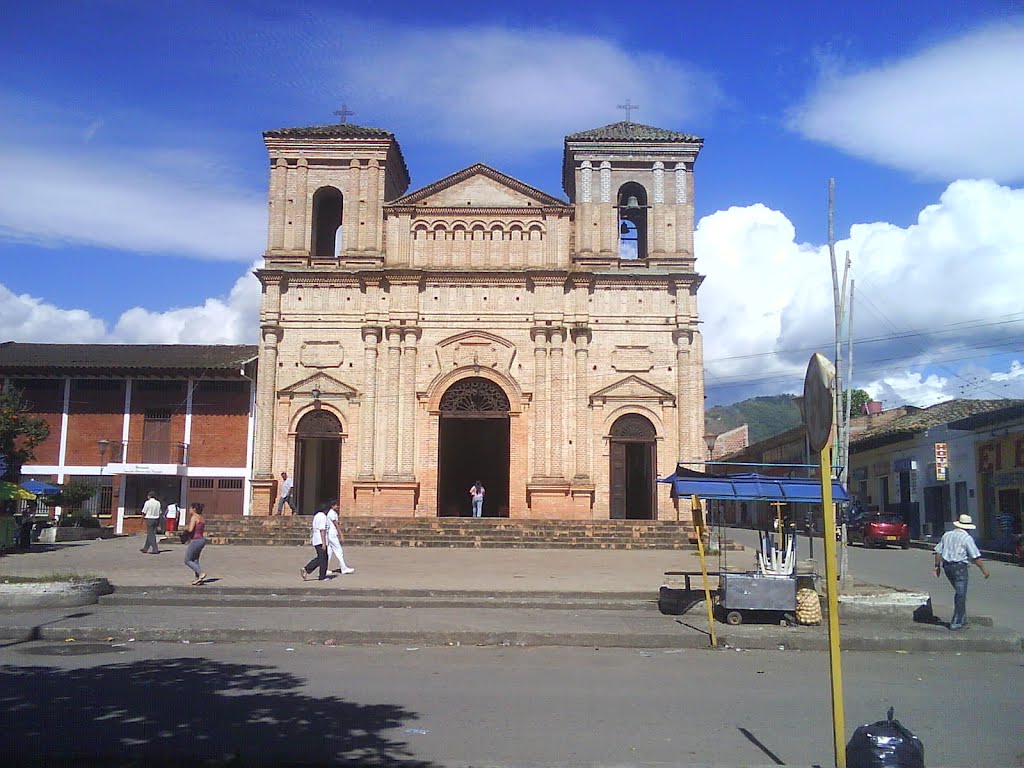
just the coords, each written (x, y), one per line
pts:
(632, 186)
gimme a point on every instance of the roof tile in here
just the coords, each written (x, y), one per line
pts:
(96, 359)
(336, 131)
(629, 131)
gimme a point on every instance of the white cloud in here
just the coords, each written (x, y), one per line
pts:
(954, 110)
(60, 195)
(514, 89)
(937, 303)
(233, 319)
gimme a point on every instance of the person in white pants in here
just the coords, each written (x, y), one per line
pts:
(334, 542)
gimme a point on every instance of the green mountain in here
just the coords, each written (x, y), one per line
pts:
(766, 416)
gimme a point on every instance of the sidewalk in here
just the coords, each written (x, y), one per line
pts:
(403, 596)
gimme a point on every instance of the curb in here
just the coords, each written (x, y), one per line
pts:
(53, 594)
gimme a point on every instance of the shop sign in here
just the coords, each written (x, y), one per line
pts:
(941, 461)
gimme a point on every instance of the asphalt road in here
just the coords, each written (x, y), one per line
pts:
(493, 706)
(1001, 597)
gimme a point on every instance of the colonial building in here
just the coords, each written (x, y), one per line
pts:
(412, 343)
(174, 419)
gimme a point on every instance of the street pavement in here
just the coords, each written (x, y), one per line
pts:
(429, 596)
(419, 707)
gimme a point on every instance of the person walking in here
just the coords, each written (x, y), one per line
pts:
(285, 495)
(476, 495)
(954, 554)
(334, 542)
(151, 514)
(318, 538)
(197, 527)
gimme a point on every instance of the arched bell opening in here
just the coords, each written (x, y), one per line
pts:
(317, 461)
(633, 456)
(632, 205)
(473, 444)
(328, 205)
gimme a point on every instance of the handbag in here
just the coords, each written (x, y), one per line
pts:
(185, 536)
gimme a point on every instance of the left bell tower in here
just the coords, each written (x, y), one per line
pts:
(328, 185)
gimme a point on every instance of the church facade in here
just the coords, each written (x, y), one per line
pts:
(479, 329)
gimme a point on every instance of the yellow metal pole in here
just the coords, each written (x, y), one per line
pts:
(835, 665)
(698, 523)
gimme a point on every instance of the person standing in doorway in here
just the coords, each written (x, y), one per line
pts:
(954, 554)
(335, 540)
(285, 495)
(318, 538)
(476, 495)
(197, 527)
(151, 515)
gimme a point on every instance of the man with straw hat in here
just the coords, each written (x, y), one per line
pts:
(953, 554)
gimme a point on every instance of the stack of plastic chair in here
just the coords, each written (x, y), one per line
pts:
(772, 561)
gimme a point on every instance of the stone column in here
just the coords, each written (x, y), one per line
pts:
(682, 238)
(392, 401)
(408, 430)
(374, 221)
(582, 339)
(303, 204)
(540, 410)
(556, 449)
(278, 204)
(265, 396)
(683, 410)
(368, 406)
(361, 233)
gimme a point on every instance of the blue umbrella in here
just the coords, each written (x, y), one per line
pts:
(39, 488)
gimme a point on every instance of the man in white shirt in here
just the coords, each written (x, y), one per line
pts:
(151, 514)
(285, 494)
(318, 538)
(954, 554)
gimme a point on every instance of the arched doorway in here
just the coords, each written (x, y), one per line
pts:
(473, 444)
(317, 461)
(633, 461)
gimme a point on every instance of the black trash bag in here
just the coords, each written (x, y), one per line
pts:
(884, 744)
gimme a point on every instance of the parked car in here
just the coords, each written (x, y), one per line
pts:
(879, 529)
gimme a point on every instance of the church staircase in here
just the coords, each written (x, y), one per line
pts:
(462, 532)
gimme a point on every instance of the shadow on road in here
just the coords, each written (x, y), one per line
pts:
(189, 711)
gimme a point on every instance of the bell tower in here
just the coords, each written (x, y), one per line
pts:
(632, 187)
(328, 185)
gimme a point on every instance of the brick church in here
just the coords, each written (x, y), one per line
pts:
(477, 328)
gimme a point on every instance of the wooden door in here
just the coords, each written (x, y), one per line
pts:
(156, 437)
(618, 481)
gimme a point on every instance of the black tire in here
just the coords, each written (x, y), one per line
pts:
(905, 545)
(733, 618)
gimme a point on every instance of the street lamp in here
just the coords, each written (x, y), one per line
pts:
(104, 446)
(709, 440)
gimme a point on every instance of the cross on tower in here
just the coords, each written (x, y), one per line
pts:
(344, 113)
(629, 107)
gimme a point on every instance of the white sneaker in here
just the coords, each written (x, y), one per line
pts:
(348, 570)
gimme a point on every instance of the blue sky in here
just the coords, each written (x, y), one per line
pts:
(132, 200)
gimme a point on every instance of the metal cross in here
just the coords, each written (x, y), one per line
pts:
(343, 113)
(629, 107)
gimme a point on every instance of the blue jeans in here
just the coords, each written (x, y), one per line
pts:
(957, 575)
(192, 553)
(478, 506)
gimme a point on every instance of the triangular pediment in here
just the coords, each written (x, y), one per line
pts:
(478, 186)
(633, 388)
(476, 348)
(327, 386)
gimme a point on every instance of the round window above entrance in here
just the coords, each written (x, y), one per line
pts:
(475, 395)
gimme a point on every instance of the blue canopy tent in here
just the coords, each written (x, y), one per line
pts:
(750, 486)
(40, 488)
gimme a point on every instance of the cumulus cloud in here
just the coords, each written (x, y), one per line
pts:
(936, 312)
(232, 319)
(514, 89)
(954, 110)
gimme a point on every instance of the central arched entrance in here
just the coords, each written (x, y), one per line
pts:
(317, 461)
(632, 471)
(473, 444)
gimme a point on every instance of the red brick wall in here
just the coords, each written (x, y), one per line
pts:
(46, 400)
(220, 414)
(95, 412)
(170, 399)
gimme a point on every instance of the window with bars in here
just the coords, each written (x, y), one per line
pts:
(200, 483)
(230, 484)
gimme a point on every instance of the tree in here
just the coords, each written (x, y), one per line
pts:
(73, 494)
(860, 398)
(20, 432)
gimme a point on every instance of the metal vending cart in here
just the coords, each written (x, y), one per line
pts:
(769, 591)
